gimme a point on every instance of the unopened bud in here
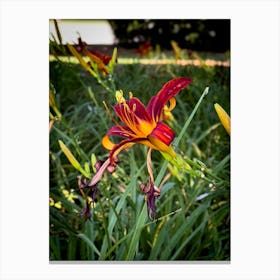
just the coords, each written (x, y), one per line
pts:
(98, 164)
(111, 168)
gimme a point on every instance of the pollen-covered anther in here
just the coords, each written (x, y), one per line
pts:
(119, 96)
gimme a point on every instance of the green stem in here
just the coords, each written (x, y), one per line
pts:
(183, 131)
(189, 119)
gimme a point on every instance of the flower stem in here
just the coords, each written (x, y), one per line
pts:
(189, 119)
(183, 131)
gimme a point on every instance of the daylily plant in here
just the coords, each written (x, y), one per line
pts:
(144, 49)
(142, 124)
(100, 59)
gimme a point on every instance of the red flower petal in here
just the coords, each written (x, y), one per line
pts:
(169, 90)
(125, 144)
(135, 116)
(122, 131)
(136, 108)
(105, 58)
(139, 109)
(163, 133)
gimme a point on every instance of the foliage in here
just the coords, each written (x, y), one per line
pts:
(200, 35)
(193, 212)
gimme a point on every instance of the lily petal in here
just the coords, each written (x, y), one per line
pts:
(159, 145)
(135, 116)
(125, 144)
(107, 143)
(170, 89)
(164, 133)
(135, 106)
(122, 131)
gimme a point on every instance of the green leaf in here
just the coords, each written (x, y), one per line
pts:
(135, 237)
(89, 243)
(183, 230)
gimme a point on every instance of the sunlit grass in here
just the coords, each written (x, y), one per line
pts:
(153, 61)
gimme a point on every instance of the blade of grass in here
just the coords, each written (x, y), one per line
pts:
(189, 238)
(159, 238)
(123, 239)
(205, 133)
(72, 248)
(221, 164)
(89, 232)
(113, 218)
(190, 118)
(55, 250)
(135, 238)
(89, 243)
(184, 229)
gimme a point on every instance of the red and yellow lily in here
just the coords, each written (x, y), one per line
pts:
(101, 60)
(144, 49)
(144, 124)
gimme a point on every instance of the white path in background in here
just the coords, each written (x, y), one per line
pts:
(94, 32)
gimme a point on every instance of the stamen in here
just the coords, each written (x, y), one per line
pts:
(119, 96)
(109, 114)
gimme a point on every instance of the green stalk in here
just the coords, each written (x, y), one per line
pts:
(178, 139)
(189, 119)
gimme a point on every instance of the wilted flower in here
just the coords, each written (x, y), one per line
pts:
(83, 184)
(151, 192)
(101, 61)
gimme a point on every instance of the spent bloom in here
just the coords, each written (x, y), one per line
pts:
(142, 124)
(100, 59)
